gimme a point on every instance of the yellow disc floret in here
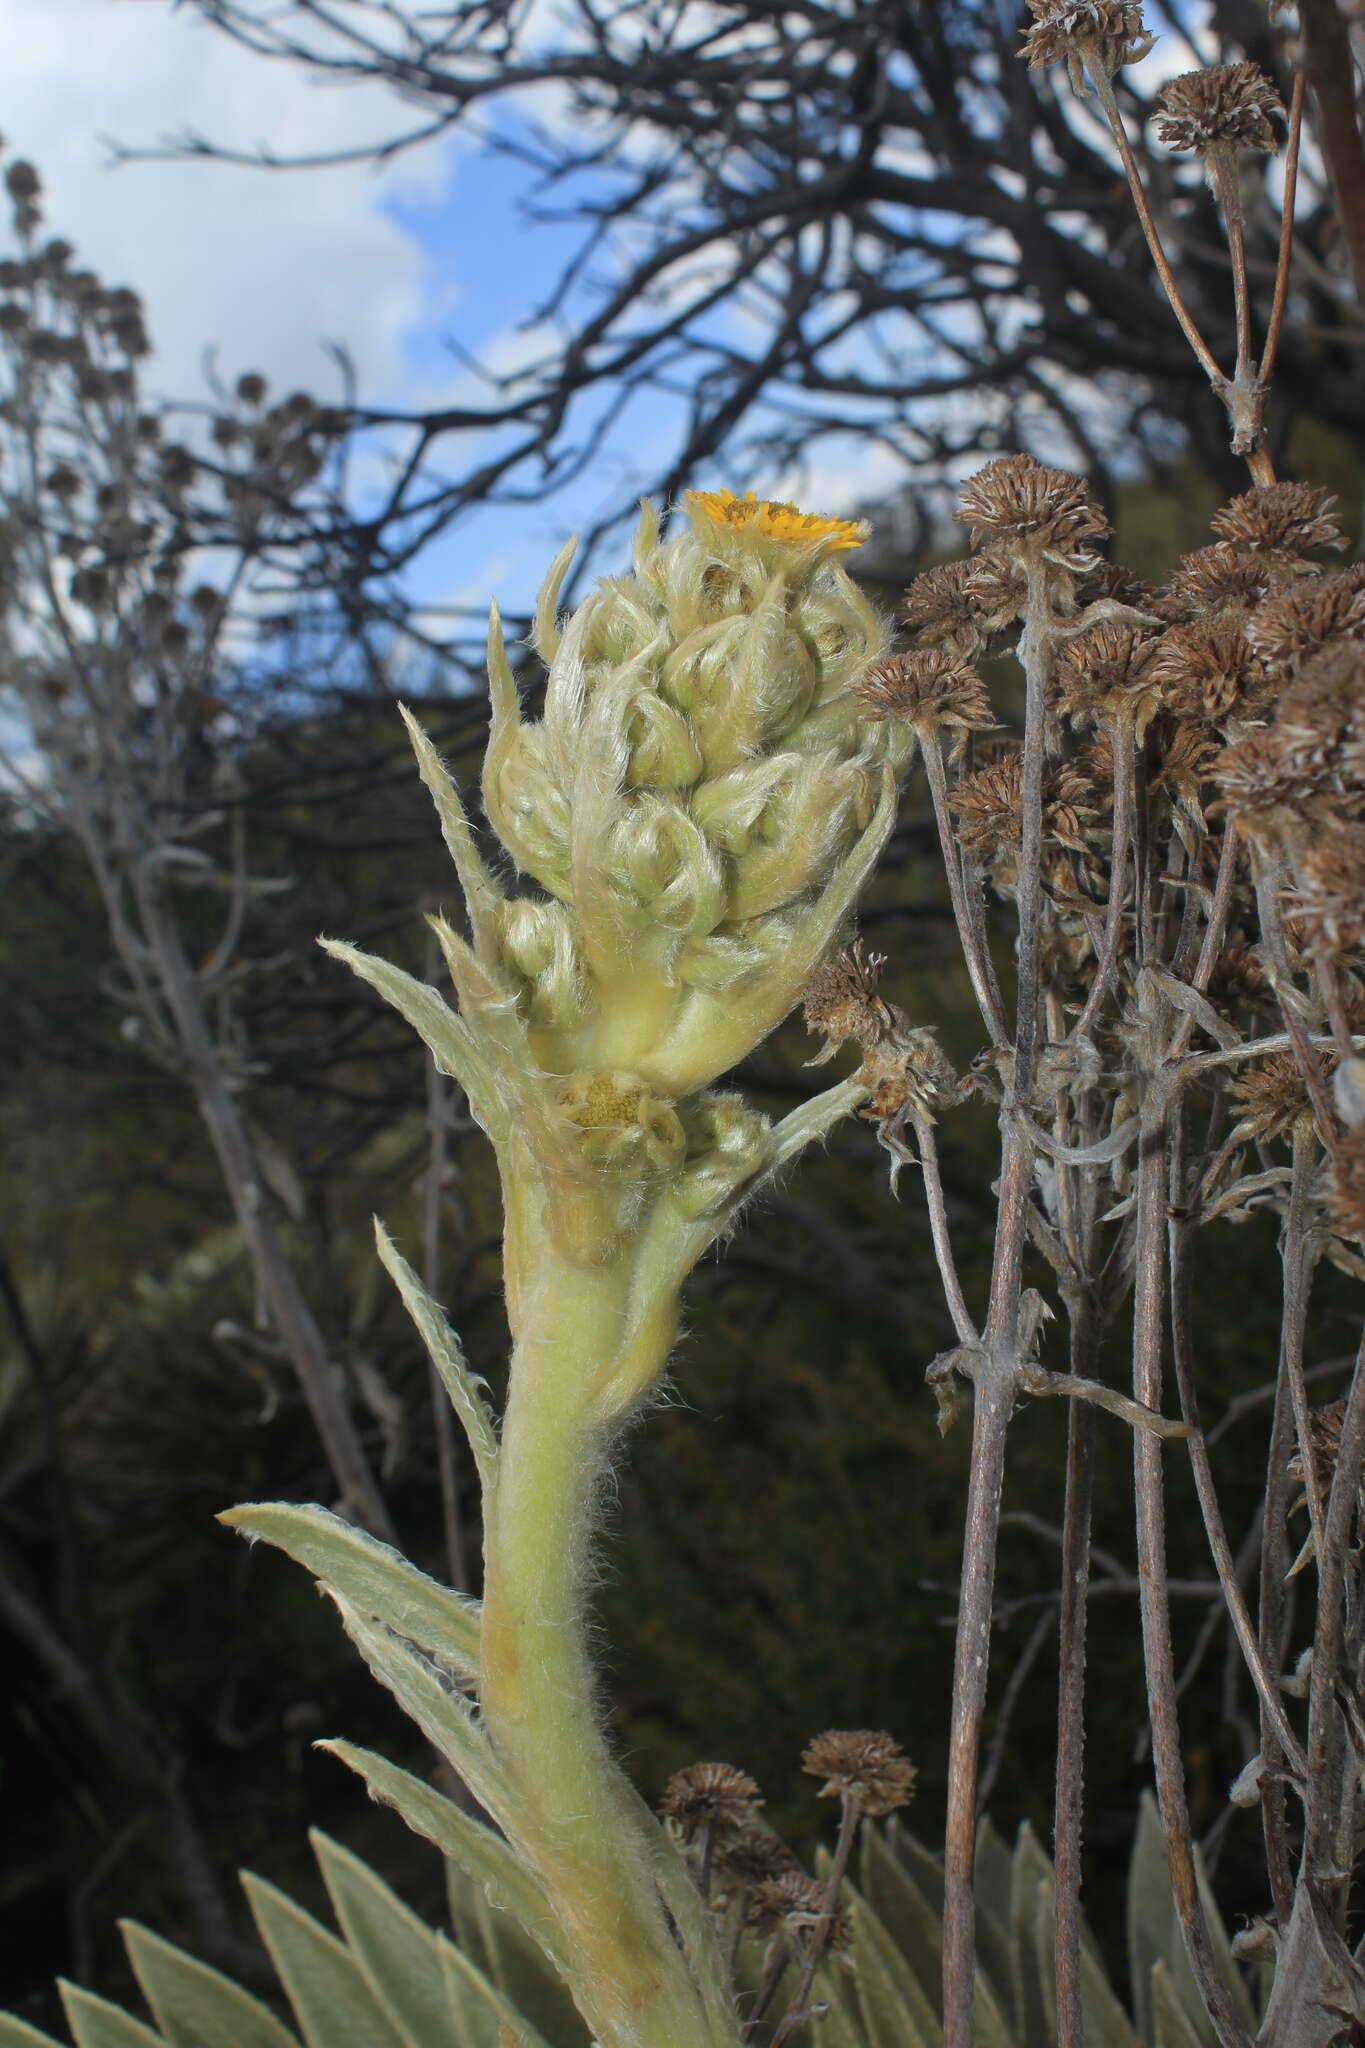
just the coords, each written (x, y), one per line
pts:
(774, 520)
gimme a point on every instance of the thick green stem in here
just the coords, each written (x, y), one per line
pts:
(633, 1982)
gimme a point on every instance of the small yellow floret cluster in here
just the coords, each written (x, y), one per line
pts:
(751, 515)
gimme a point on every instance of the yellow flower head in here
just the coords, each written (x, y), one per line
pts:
(769, 519)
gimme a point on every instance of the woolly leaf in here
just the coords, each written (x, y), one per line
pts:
(454, 1046)
(499, 1946)
(333, 2000)
(16, 2033)
(397, 1952)
(193, 2005)
(489, 1861)
(481, 892)
(98, 2024)
(374, 1578)
(1030, 1871)
(895, 2011)
(1171, 2028)
(483, 2017)
(447, 1355)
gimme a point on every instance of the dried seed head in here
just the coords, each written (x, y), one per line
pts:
(1224, 106)
(1209, 670)
(1099, 34)
(989, 806)
(908, 1075)
(1239, 982)
(1324, 1434)
(750, 1857)
(1288, 518)
(1113, 582)
(714, 1796)
(1270, 1096)
(794, 1902)
(841, 1000)
(251, 388)
(1287, 629)
(1106, 673)
(22, 181)
(1226, 577)
(1348, 1184)
(1033, 514)
(1264, 793)
(1320, 719)
(1329, 906)
(959, 606)
(930, 691)
(866, 1764)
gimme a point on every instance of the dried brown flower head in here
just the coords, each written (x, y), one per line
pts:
(1226, 577)
(959, 605)
(1239, 982)
(1106, 673)
(22, 181)
(930, 691)
(1259, 787)
(1348, 1184)
(1329, 908)
(750, 1857)
(866, 1764)
(989, 806)
(1117, 584)
(909, 1075)
(714, 1796)
(1320, 719)
(1223, 106)
(1289, 518)
(794, 1903)
(1033, 514)
(1287, 629)
(841, 999)
(1324, 1434)
(1209, 670)
(1270, 1096)
(1099, 34)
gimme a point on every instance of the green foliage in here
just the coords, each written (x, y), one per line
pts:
(386, 1980)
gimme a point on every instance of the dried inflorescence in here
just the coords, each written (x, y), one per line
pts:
(1270, 1096)
(710, 1797)
(1320, 720)
(989, 807)
(1098, 35)
(865, 1765)
(1287, 518)
(841, 1000)
(930, 691)
(1105, 673)
(1209, 670)
(960, 606)
(1032, 514)
(794, 1904)
(1291, 627)
(1329, 905)
(1223, 106)
(1226, 577)
(1347, 1201)
(749, 1857)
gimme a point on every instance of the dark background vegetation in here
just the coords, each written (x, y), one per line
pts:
(783, 1545)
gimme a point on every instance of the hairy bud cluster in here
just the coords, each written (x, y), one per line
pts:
(699, 804)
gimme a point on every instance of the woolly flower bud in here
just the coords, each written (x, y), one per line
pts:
(700, 791)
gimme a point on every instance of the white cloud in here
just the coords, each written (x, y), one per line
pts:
(265, 265)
